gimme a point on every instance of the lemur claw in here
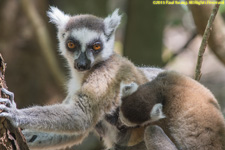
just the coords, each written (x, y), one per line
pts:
(6, 92)
(5, 101)
(8, 107)
(4, 108)
(8, 102)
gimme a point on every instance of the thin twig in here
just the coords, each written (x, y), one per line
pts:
(205, 39)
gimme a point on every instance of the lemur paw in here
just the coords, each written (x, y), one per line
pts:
(10, 101)
(8, 107)
(127, 89)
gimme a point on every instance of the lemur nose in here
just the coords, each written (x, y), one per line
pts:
(82, 63)
(81, 66)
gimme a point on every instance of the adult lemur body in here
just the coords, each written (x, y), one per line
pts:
(87, 43)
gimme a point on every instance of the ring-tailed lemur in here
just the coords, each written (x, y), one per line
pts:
(193, 119)
(86, 41)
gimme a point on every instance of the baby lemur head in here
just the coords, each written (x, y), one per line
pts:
(84, 40)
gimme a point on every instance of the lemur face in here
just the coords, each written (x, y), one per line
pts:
(85, 40)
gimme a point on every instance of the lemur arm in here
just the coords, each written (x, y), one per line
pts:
(43, 141)
(61, 118)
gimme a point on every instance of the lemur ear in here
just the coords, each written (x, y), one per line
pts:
(112, 22)
(58, 17)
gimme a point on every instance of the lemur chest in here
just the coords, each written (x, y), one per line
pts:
(74, 83)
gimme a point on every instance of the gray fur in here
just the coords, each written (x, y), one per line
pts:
(44, 118)
(85, 21)
(50, 141)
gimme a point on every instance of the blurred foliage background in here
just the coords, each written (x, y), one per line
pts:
(149, 35)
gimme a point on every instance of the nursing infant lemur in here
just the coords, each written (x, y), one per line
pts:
(192, 116)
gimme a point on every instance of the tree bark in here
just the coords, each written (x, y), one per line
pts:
(28, 73)
(11, 138)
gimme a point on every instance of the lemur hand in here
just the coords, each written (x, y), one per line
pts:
(8, 107)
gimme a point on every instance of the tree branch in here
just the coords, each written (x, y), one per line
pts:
(204, 42)
(216, 41)
(11, 138)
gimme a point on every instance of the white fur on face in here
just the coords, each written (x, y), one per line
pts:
(62, 40)
(85, 36)
(60, 19)
(108, 48)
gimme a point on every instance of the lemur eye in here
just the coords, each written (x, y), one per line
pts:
(71, 44)
(96, 46)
